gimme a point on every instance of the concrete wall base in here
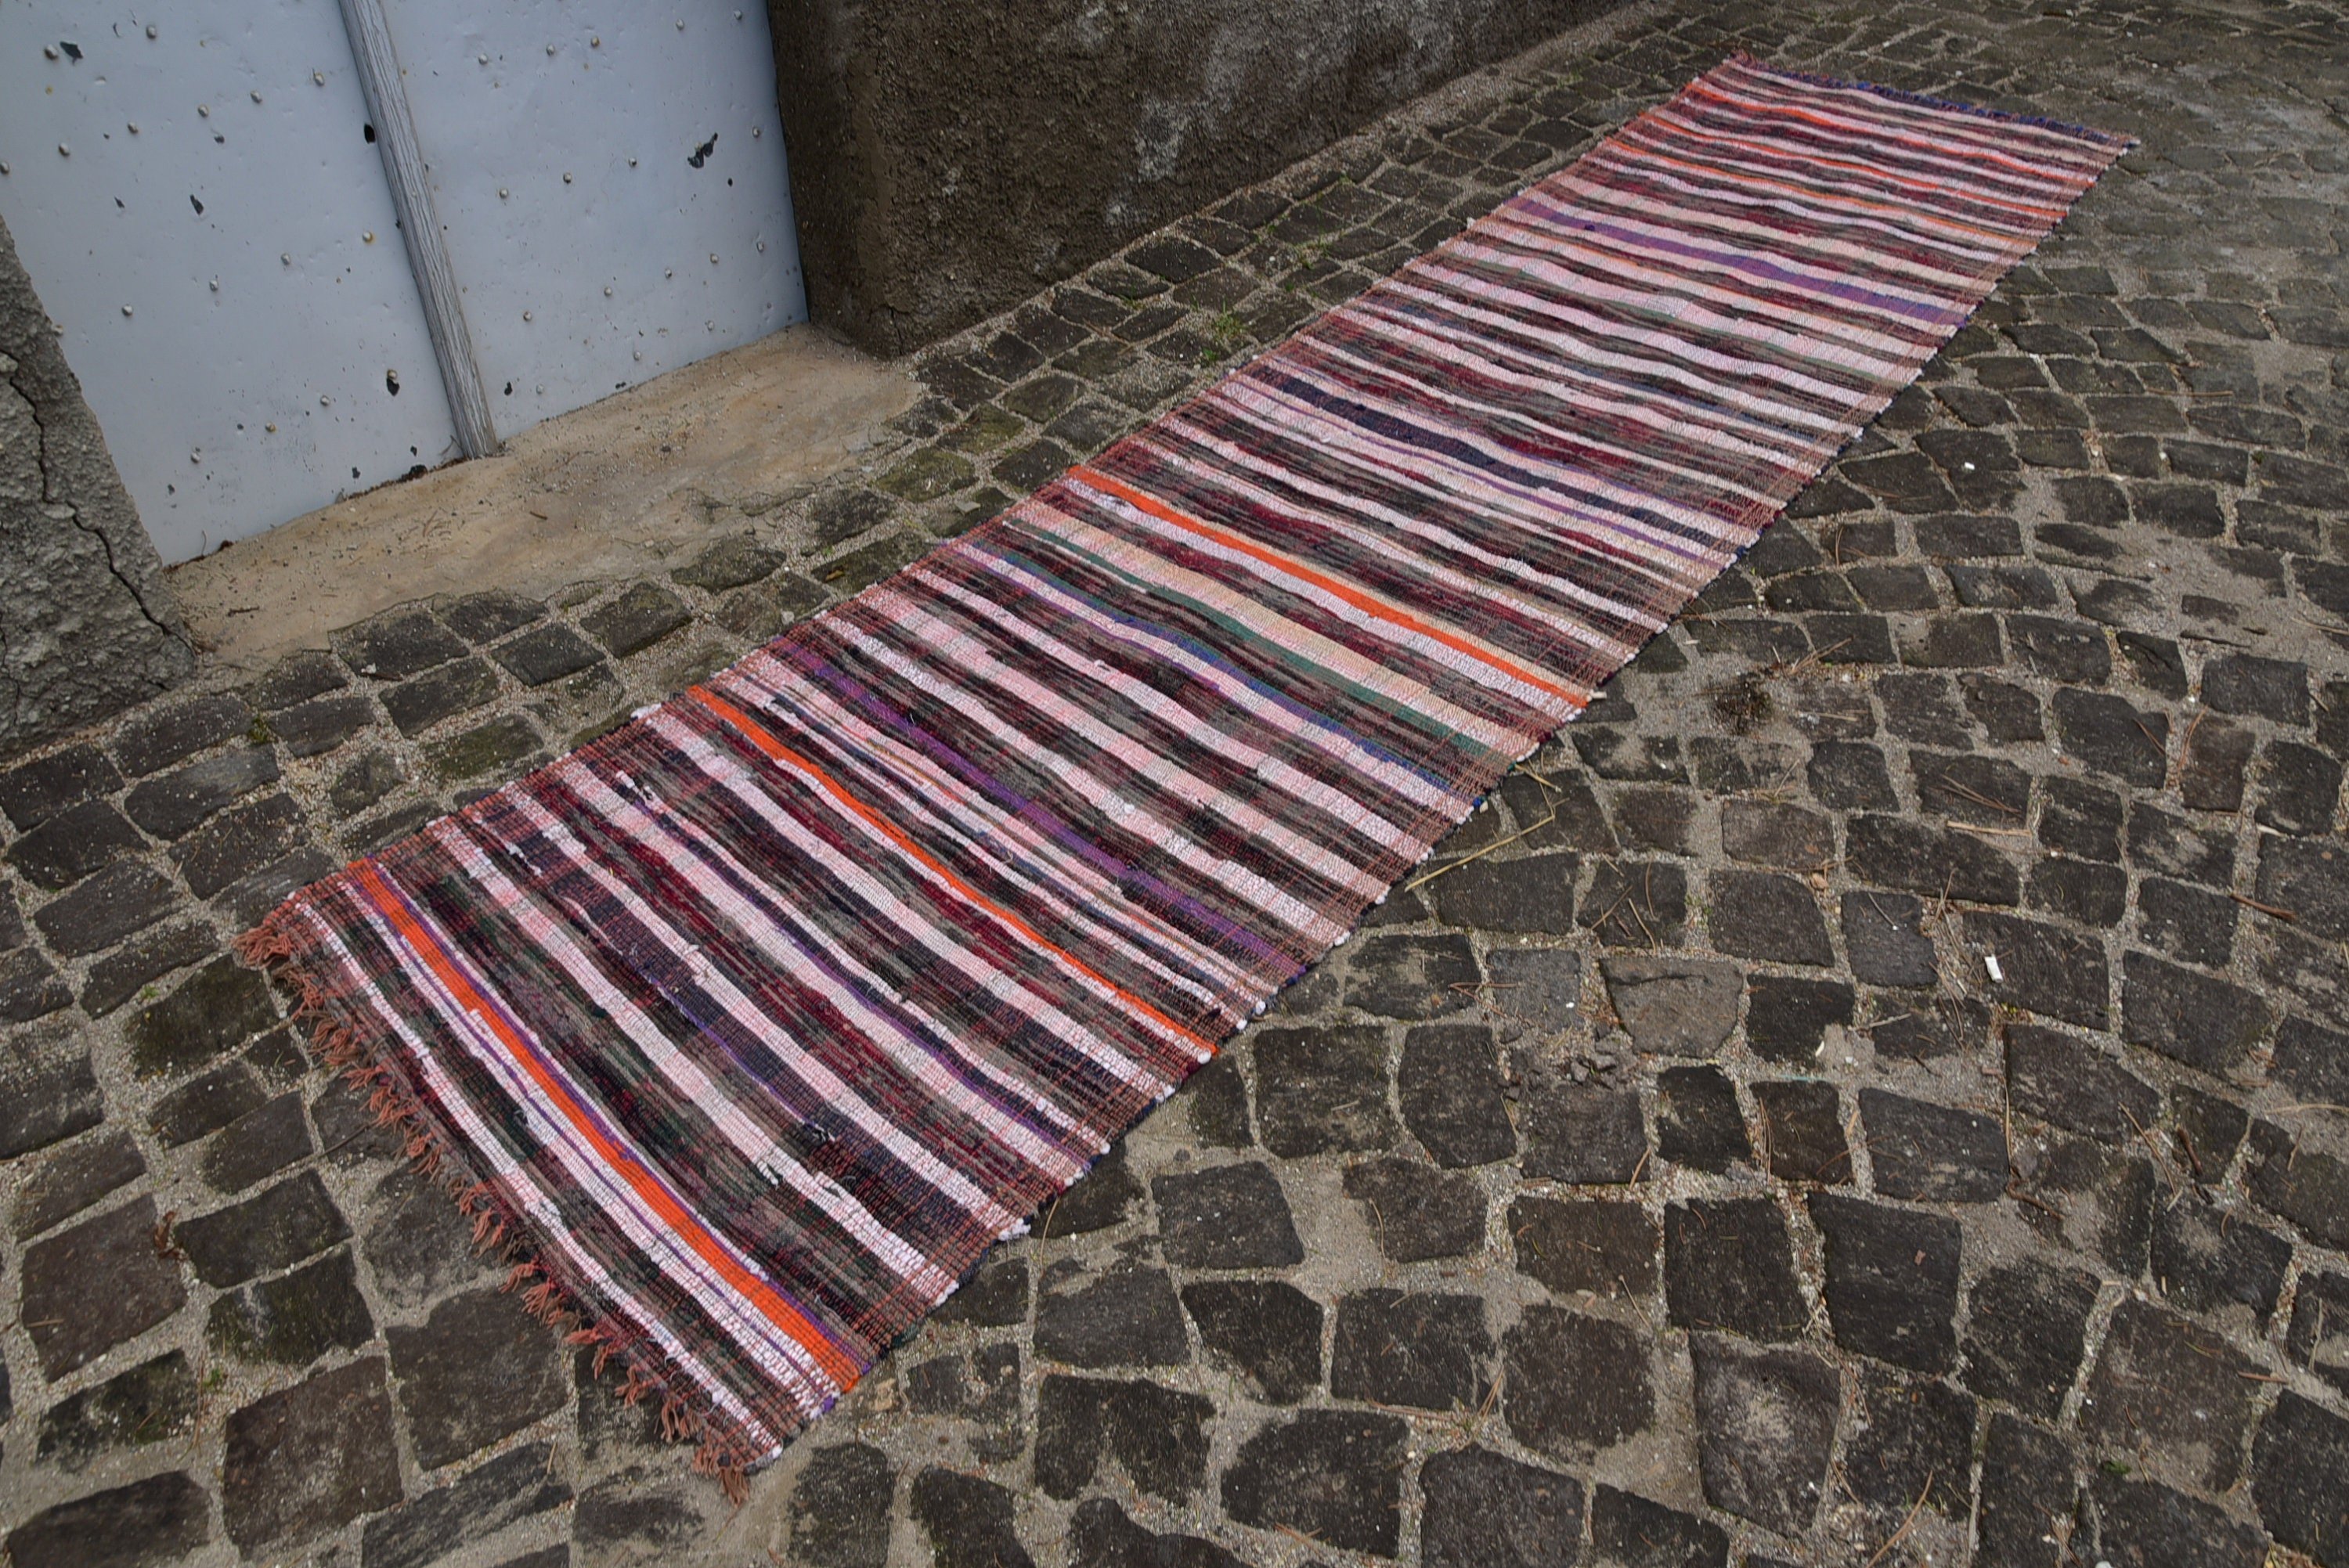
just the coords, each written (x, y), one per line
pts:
(949, 161)
(86, 626)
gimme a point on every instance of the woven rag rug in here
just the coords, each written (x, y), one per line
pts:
(751, 1025)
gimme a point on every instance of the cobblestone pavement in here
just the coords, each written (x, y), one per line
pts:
(1872, 1094)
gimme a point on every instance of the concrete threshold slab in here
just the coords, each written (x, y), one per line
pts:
(624, 487)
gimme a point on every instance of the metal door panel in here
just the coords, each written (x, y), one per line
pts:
(240, 357)
(611, 183)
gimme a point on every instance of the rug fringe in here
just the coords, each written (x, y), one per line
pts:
(723, 1451)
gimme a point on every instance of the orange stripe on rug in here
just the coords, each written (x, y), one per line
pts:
(1369, 603)
(803, 1331)
(764, 739)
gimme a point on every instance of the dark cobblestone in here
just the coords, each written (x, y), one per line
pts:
(1416, 1213)
(235, 841)
(1395, 1349)
(1333, 1475)
(635, 619)
(2206, 1258)
(1234, 1216)
(1891, 1280)
(1156, 1436)
(1932, 1152)
(153, 1402)
(2146, 1522)
(1729, 1264)
(33, 792)
(476, 1370)
(1574, 1384)
(52, 1090)
(1102, 1536)
(488, 616)
(169, 806)
(2027, 1494)
(155, 741)
(206, 1103)
(303, 1460)
(1484, 1510)
(280, 1226)
(1788, 1018)
(2169, 1397)
(1680, 1007)
(1801, 1131)
(1579, 1132)
(1913, 1439)
(515, 1485)
(1636, 1533)
(73, 1179)
(1411, 977)
(493, 748)
(73, 843)
(210, 1012)
(1449, 1085)
(1322, 1089)
(150, 1520)
(316, 727)
(840, 1508)
(1765, 1422)
(2300, 1477)
(69, 1326)
(1532, 894)
(1755, 914)
(1122, 1317)
(125, 898)
(394, 647)
(424, 701)
(1268, 1331)
(1698, 1123)
(295, 1319)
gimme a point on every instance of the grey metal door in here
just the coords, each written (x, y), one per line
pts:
(192, 189)
(611, 183)
(236, 295)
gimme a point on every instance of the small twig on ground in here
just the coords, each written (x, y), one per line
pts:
(2167, 1166)
(1549, 798)
(1977, 797)
(2187, 1142)
(2271, 911)
(167, 1244)
(1906, 1524)
(1803, 666)
(2016, 1192)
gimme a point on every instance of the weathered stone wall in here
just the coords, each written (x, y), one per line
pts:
(948, 161)
(86, 626)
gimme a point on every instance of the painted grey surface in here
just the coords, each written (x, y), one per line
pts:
(86, 627)
(235, 295)
(951, 160)
(420, 229)
(613, 188)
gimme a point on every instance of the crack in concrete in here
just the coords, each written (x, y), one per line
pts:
(74, 515)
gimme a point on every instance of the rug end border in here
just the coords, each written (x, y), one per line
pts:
(357, 1049)
(2118, 142)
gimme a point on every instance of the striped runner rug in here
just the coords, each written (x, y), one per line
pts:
(750, 1025)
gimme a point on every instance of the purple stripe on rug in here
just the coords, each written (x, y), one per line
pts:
(752, 1025)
